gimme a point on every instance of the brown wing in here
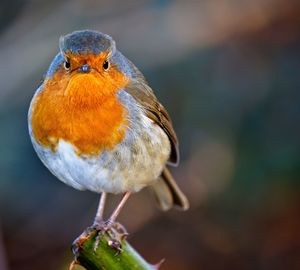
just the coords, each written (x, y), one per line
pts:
(144, 95)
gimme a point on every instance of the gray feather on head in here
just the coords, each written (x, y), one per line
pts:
(87, 42)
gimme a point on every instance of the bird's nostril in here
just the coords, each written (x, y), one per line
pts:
(85, 68)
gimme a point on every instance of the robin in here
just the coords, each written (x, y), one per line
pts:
(96, 125)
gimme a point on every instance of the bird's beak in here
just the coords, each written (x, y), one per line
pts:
(85, 68)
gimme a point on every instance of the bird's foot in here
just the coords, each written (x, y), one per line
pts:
(99, 228)
(114, 230)
(120, 230)
(116, 233)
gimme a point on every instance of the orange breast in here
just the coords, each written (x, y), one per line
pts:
(82, 109)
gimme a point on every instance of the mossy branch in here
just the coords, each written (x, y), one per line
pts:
(113, 252)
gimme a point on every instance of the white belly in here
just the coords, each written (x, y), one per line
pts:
(133, 164)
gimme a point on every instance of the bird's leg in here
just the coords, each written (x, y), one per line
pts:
(99, 215)
(98, 225)
(118, 209)
(111, 222)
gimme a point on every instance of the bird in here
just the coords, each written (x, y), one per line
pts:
(97, 125)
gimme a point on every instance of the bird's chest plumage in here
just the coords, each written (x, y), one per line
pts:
(136, 161)
(79, 111)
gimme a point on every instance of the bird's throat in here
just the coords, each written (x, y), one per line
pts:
(89, 90)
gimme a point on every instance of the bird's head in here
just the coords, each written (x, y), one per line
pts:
(87, 67)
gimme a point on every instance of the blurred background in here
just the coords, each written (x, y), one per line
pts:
(228, 73)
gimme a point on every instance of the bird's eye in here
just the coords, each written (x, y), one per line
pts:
(67, 64)
(106, 65)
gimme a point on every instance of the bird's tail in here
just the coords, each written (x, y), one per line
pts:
(168, 194)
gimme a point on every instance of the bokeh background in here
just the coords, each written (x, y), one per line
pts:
(228, 71)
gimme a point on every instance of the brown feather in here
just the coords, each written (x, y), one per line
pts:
(144, 95)
(168, 194)
(166, 191)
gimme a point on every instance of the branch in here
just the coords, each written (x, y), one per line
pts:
(113, 252)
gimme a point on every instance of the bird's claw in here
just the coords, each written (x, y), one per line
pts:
(115, 244)
(115, 231)
(120, 230)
